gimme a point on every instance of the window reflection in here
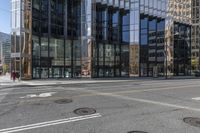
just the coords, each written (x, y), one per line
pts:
(152, 46)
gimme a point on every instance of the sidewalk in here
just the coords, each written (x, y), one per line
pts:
(72, 81)
(5, 80)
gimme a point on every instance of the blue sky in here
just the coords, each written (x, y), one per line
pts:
(5, 16)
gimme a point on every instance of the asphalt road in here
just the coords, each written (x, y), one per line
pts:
(152, 106)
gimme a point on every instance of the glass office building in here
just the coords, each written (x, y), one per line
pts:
(195, 35)
(101, 38)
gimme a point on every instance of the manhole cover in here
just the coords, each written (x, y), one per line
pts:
(63, 101)
(85, 111)
(137, 132)
(192, 121)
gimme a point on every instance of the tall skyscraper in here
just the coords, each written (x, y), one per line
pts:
(5, 46)
(101, 38)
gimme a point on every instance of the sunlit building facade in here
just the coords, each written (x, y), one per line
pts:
(178, 37)
(195, 35)
(21, 37)
(101, 38)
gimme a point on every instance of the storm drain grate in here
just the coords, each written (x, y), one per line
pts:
(137, 132)
(192, 121)
(84, 111)
(63, 101)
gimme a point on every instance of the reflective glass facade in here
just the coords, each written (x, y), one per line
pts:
(195, 36)
(182, 49)
(152, 34)
(178, 37)
(111, 49)
(101, 38)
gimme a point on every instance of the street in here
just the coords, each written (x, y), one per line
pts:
(118, 106)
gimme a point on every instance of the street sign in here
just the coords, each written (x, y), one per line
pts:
(15, 55)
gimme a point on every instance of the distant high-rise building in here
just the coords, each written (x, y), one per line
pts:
(101, 38)
(5, 50)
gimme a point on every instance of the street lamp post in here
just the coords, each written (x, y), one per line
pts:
(166, 65)
(165, 54)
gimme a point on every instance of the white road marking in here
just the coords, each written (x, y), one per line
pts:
(153, 102)
(42, 95)
(3, 91)
(46, 94)
(196, 98)
(141, 100)
(138, 81)
(49, 123)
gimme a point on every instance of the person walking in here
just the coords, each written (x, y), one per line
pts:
(17, 75)
(13, 76)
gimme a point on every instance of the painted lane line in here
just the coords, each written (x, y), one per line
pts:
(49, 123)
(196, 98)
(142, 85)
(156, 89)
(54, 121)
(143, 100)
(42, 95)
(153, 102)
(116, 92)
(58, 123)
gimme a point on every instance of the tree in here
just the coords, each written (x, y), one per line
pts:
(5, 68)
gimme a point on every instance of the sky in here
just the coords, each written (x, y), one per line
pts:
(5, 16)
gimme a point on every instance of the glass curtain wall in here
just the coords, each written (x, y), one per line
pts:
(112, 42)
(73, 35)
(152, 46)
(134, 37)
(56, 39)
(125, 42)
(36, 56)
(160, 49)
(144, 46)
(56, 57)
(195, 36)
(182, 49)
(87, 38)
(48, 45)
(178, 19)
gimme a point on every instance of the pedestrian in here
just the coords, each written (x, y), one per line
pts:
(13, 76)
(17, 75)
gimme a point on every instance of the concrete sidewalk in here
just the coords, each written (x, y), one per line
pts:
(5, 80)
(71, 81)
